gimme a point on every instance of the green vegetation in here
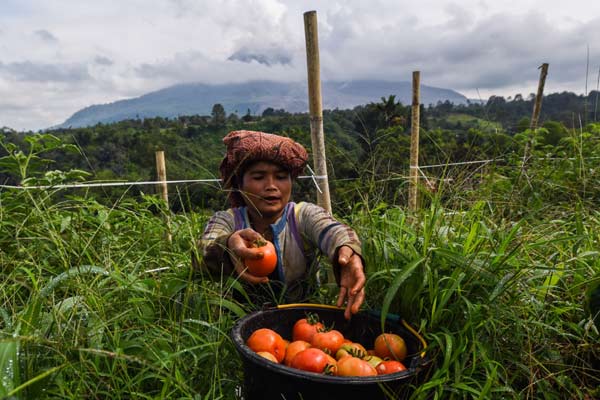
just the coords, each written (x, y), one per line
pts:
(498, 270)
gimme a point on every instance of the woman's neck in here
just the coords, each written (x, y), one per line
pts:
(262, 224)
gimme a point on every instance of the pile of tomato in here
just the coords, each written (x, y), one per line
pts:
(315, 348)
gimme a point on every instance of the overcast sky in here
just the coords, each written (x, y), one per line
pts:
(58, 56)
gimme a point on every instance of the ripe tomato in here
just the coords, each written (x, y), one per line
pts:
(389, 367)
(329, 341)
(331, 367)
(265, 265)
(373, 360)
(391, 346)
(294, 348)
(351, 349)
(267, 355)
(265, 339)
(305, 328)
(352, 366)
(311, 359)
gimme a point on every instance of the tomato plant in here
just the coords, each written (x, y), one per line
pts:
(265, 339)
(353, 366)
(312, 360)
(266, 264)
(328, 341)
(389, 367)
(390, 346)
(305, 328)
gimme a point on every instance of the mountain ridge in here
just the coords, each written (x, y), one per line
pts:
(253, 97)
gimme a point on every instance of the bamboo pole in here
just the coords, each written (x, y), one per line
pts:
(316, 108)
(537, 108)
(414, 143)
(161, 170)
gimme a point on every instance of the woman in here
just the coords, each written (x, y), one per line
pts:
(258, 170)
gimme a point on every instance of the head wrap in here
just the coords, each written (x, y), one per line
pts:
(244, 147)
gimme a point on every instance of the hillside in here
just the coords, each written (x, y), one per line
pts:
(255, 97)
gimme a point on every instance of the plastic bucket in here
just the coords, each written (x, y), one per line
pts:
(266, 380)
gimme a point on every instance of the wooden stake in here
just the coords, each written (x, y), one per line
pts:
(414, 143)
(537, 107)
(161, 170)
(316, 108)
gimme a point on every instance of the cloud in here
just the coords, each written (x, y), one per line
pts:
(266, 56)
(91, 52)
(43, 72)
(105, 61)
(45, 36)
(197, 67)
(494, 52)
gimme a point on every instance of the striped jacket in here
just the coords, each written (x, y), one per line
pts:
(303, 232)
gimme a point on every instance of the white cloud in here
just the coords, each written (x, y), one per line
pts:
(56, 58)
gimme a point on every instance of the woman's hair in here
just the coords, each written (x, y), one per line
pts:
(247, 147)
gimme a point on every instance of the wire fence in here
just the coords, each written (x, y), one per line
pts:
(312, 177)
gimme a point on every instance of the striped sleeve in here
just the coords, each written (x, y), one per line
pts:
(212, 246)
(326, 233)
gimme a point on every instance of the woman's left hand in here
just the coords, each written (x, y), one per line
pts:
(352, 281)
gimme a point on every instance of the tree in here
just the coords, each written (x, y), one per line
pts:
(247, 117)
(218, 115)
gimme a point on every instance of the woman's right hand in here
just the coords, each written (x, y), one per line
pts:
(240, 244)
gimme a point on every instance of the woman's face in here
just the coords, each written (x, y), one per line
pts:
(266, 188)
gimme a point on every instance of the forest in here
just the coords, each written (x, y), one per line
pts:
(498, 269)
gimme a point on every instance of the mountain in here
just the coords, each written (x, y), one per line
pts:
(255, 96)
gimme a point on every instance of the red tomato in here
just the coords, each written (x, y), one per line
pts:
(352, 366)
(329, 341)
(294, 348)
(331, 367)
(389, 367)
(267, 355)
(265, 265)
(311, 359)
(305, 328)
(351, 349)
(390, 346)
(265, 339)
(373, 360)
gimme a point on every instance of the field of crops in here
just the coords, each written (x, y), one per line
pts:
(96, 303)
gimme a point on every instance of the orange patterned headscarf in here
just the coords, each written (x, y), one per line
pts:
(245, 147)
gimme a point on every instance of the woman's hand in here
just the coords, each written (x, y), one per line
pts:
(352, 281)
(240, 244)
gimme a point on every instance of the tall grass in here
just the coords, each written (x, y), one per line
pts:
(95, 303)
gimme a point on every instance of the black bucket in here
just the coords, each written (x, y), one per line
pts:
(266, 380)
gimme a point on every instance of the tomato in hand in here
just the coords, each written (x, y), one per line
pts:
(389, 367)
(390, 346)
(352, 366)
(328, 341)
(305, 328)
(312, 360)
(265, 265)
(265, 339)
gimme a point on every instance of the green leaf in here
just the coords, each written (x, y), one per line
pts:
(9, 366)
(396, 283)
